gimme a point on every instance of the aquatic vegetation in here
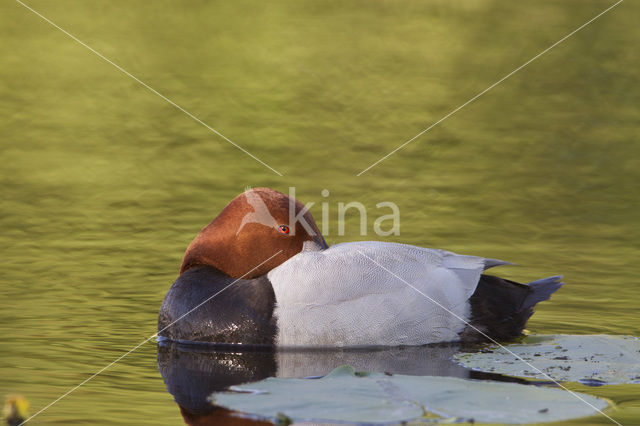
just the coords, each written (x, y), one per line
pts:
(345, 395)
(16, 410)
(591, 360)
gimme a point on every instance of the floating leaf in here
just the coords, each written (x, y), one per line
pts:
(344, 396)
(591, 360)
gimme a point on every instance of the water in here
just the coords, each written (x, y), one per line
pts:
(104, 184)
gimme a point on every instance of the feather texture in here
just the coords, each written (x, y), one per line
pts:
(374, 293)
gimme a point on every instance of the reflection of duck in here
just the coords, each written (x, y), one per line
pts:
(286, 287)
(220, 416)
(193, 372)
(16, 410)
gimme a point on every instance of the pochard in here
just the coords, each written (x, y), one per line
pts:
(262, 274)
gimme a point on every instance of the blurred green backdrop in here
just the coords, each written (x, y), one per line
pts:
(104, 184)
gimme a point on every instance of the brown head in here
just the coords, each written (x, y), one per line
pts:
(253, 227)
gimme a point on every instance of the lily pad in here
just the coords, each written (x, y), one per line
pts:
(590, 359)
(347, 396)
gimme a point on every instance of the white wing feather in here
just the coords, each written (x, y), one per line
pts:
(356, 294)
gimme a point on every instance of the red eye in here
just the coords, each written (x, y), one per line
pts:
(283, 229)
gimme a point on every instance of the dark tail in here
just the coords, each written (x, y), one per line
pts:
(541, 290)
(500, 308)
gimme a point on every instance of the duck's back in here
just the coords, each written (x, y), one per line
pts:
(374, 293)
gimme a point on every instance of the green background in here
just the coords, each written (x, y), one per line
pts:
(104, 184)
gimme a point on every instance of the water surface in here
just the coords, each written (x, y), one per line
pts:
(104, 184)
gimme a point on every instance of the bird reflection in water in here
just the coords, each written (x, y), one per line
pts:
(193, 372)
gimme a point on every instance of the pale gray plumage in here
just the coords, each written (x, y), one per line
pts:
(353, 294)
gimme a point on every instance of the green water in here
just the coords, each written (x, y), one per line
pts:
(104, 184)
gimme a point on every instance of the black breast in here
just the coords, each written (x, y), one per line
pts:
(206, 305)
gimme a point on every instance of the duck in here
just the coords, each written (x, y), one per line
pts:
(261, 273)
